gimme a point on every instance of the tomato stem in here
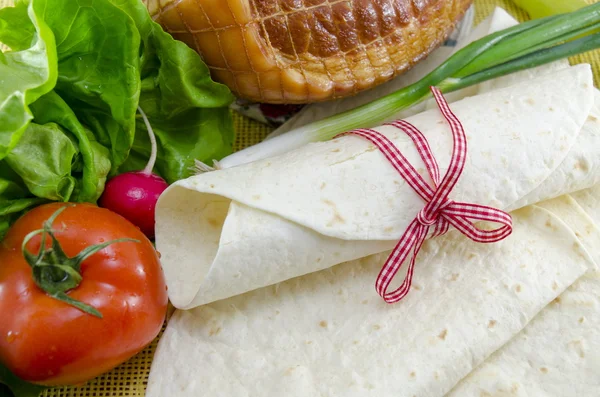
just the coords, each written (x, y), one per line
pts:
(55, 272)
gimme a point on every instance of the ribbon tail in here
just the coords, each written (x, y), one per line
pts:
(399, 293)
(396, 258)
(459, 215)
(478, 212)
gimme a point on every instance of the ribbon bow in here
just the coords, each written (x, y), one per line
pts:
(440, 212)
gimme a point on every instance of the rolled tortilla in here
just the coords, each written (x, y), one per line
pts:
(589, 200)
(558, 353)
(325, 334)
(231, 231)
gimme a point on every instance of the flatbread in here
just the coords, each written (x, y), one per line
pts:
(231, 231)
(327, 334)
(558, 353)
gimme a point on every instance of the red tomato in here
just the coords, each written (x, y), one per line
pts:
(49, 342)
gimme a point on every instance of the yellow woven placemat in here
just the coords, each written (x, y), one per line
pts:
(130, 379)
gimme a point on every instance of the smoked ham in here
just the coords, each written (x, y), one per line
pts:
(301, 51)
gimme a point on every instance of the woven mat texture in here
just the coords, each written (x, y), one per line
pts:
(130, 379)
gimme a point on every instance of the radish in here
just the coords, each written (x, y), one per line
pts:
(133, 195)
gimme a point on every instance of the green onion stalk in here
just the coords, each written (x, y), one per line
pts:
(524, 46)
(543, 8)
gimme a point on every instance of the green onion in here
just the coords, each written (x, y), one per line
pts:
(544, 8)
(520, 47)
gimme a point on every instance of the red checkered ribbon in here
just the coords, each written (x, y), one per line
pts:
(439, 212)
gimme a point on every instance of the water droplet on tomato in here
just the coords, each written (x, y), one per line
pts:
(158, 253)
(11, 336)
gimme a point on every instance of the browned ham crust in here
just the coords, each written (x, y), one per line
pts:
(300, 51)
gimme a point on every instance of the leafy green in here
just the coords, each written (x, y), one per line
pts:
(43, 159)
(14, 198)
(18, 387)
(197, 132)
(180, 99)
(98, 68)
(70, 86)
(93, 160)
(26, 73)
(17, 36)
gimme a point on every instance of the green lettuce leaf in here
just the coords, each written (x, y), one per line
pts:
(16, 36)
(18, 387)
(98, 68)
(188, 111)
(92, 163)
(43, 159)
(199, 135)
(70, 86)
(25, 73)
(175, 87)
(163, 76)
(14, 197)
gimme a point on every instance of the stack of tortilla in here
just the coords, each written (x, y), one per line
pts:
(272, 264)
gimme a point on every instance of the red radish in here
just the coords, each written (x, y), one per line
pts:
(133, 195)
